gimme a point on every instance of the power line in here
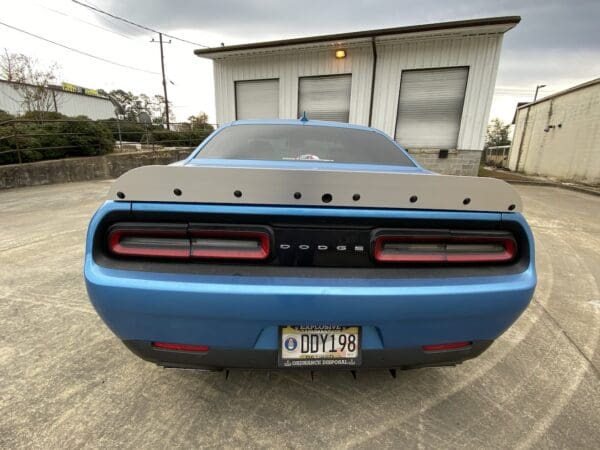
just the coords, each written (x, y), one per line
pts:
(84, 21)
(79, 51)
(130, 22)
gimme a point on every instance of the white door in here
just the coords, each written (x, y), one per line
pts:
(325, 98)
(257, 99)
(430, 107)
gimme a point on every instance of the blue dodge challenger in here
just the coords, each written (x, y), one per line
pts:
(306, 244)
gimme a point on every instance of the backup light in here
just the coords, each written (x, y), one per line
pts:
(226, 244)
(160, 243)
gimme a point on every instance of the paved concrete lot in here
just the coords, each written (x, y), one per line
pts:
(66, 381)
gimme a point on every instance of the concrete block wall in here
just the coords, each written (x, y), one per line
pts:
(82, 169)
(458, 162)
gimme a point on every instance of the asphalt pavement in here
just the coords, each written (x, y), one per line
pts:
(66, 381)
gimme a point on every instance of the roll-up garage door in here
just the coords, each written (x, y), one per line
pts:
(257, 99)
(325, 98)
(430, 107)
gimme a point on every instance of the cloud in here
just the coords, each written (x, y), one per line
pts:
(557, 43)
(556, 23)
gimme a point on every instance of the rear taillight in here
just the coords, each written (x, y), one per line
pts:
(397, 246)
(180, 347)
(178, 241)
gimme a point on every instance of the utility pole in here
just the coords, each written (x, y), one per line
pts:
(537, 88)
(164, 80)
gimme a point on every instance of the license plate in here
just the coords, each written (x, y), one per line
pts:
(319, 346)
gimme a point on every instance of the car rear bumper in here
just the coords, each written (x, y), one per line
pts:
(245, 313)
(218, 359)
(238, 316)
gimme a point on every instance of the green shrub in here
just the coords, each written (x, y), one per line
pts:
(86, 137)
(179, 138)
(4, 116)
(65, 137)
(6, 144)
(12, 138)
(42, 116)
(130, 131)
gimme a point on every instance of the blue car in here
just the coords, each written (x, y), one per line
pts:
(303, 244)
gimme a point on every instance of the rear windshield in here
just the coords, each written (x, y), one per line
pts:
(303, 143)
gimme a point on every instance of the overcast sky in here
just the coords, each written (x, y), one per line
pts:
(557, 42)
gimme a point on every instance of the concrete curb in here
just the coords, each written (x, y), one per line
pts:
(557, 185)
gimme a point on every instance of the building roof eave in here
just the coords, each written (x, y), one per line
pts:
(499, 24)
(560, 93)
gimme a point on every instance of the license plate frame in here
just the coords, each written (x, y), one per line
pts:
(322, 359)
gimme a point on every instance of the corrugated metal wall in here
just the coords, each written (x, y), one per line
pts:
(481, 53)
(560, 137)
(93, 107)
(10, 99)
(67, 103)
(288, 67)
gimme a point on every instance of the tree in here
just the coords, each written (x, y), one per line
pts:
(199, 121)
(32, 81)
(497, 134)
(196, 123)
(159, 108)
(133, 104)
(128, 101)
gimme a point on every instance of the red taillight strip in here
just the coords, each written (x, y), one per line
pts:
(115, 245)
(443, 256)
(443, 347)
(261, 252)
(180, 347)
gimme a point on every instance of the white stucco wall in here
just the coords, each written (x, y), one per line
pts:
(570, 149)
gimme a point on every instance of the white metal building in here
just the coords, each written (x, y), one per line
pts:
(65, 102)
(428, 86)
(559, 135)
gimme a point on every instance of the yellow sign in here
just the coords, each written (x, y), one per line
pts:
(70, 87)
(79, 90)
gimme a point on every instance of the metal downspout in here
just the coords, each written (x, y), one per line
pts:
(520, 151)
(373, 73)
